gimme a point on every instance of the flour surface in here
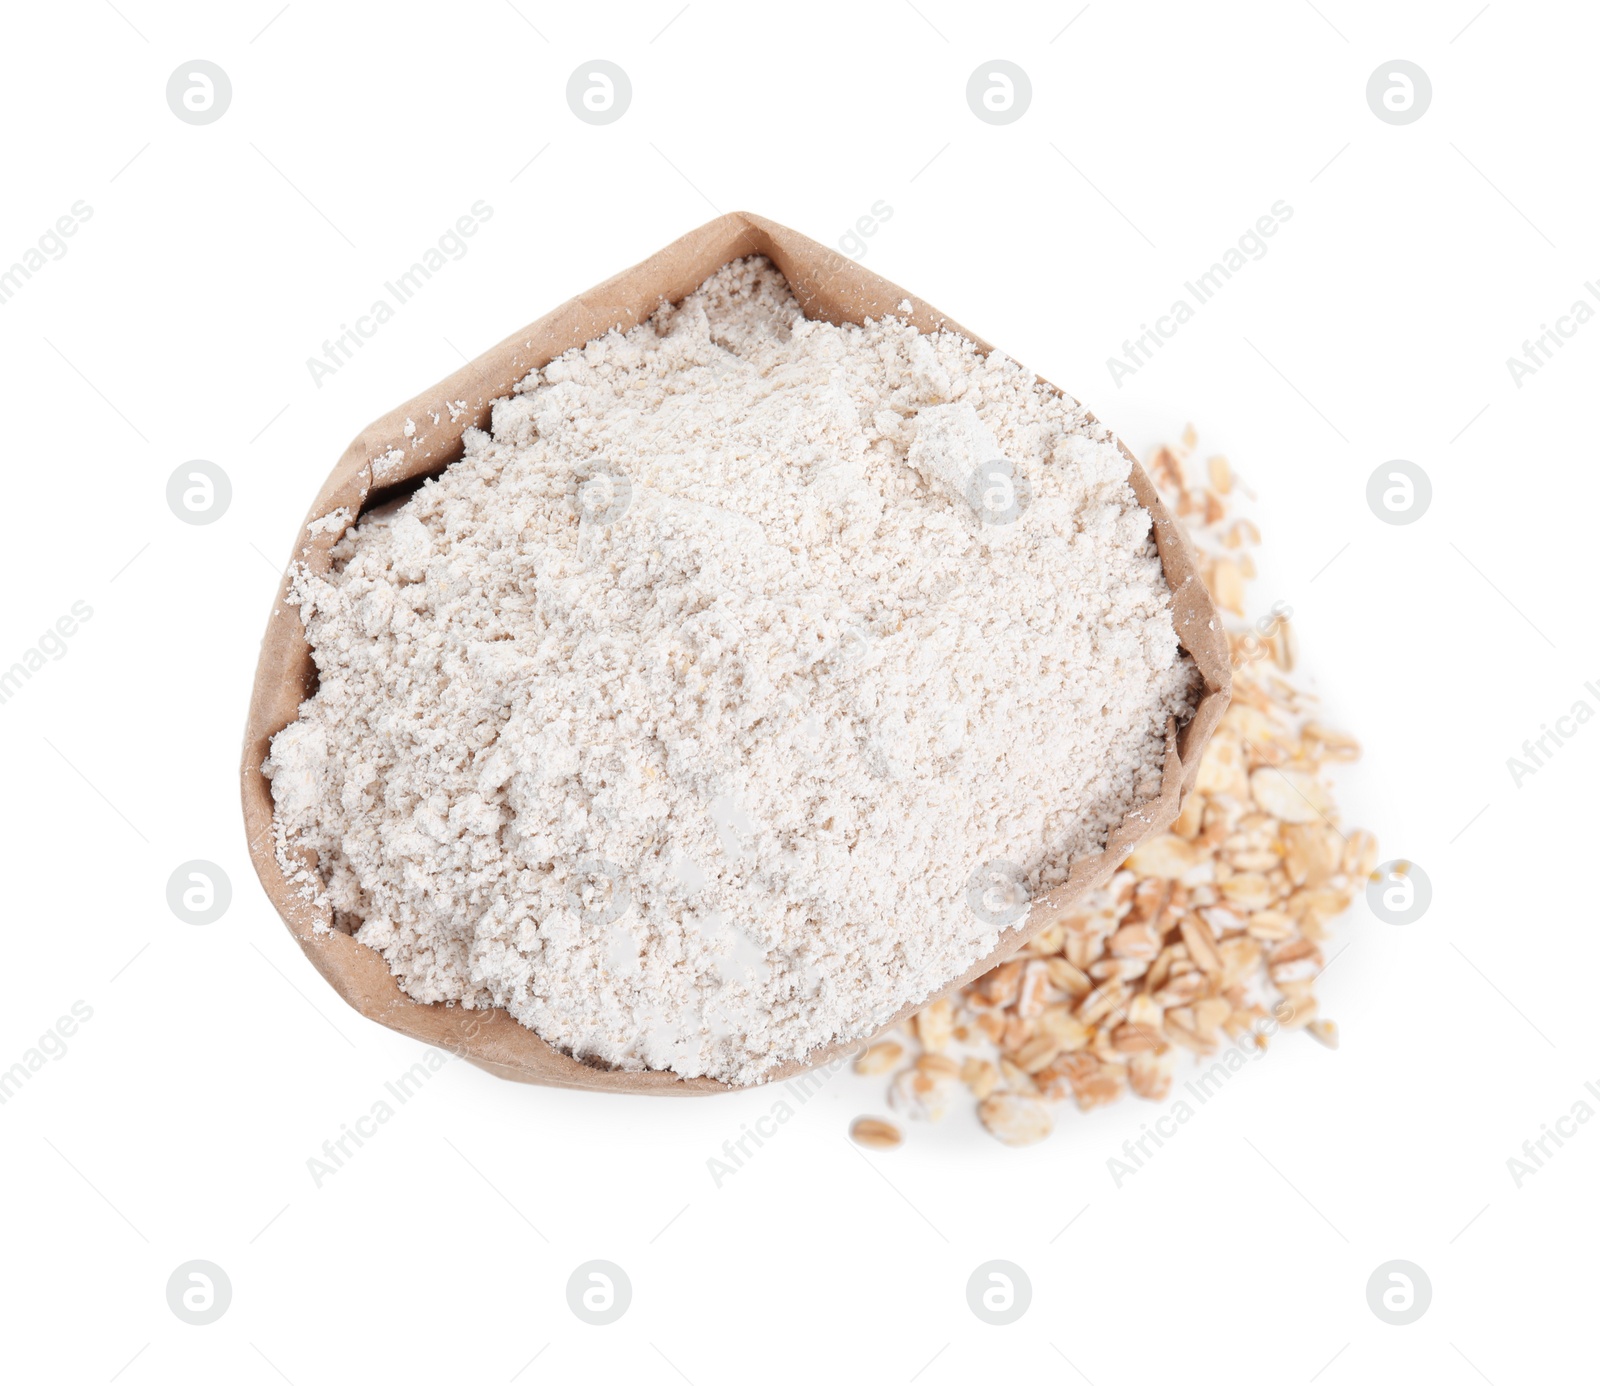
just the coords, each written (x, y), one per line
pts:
(677, 716)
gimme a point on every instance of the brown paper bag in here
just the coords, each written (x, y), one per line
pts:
(828, 286)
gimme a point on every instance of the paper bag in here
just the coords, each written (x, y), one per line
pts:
(828, 286)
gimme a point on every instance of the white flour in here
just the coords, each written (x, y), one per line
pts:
(676, 716)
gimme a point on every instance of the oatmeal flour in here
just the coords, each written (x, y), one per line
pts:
(677, 715)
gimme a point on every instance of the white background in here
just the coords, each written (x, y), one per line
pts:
(1418, 258)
